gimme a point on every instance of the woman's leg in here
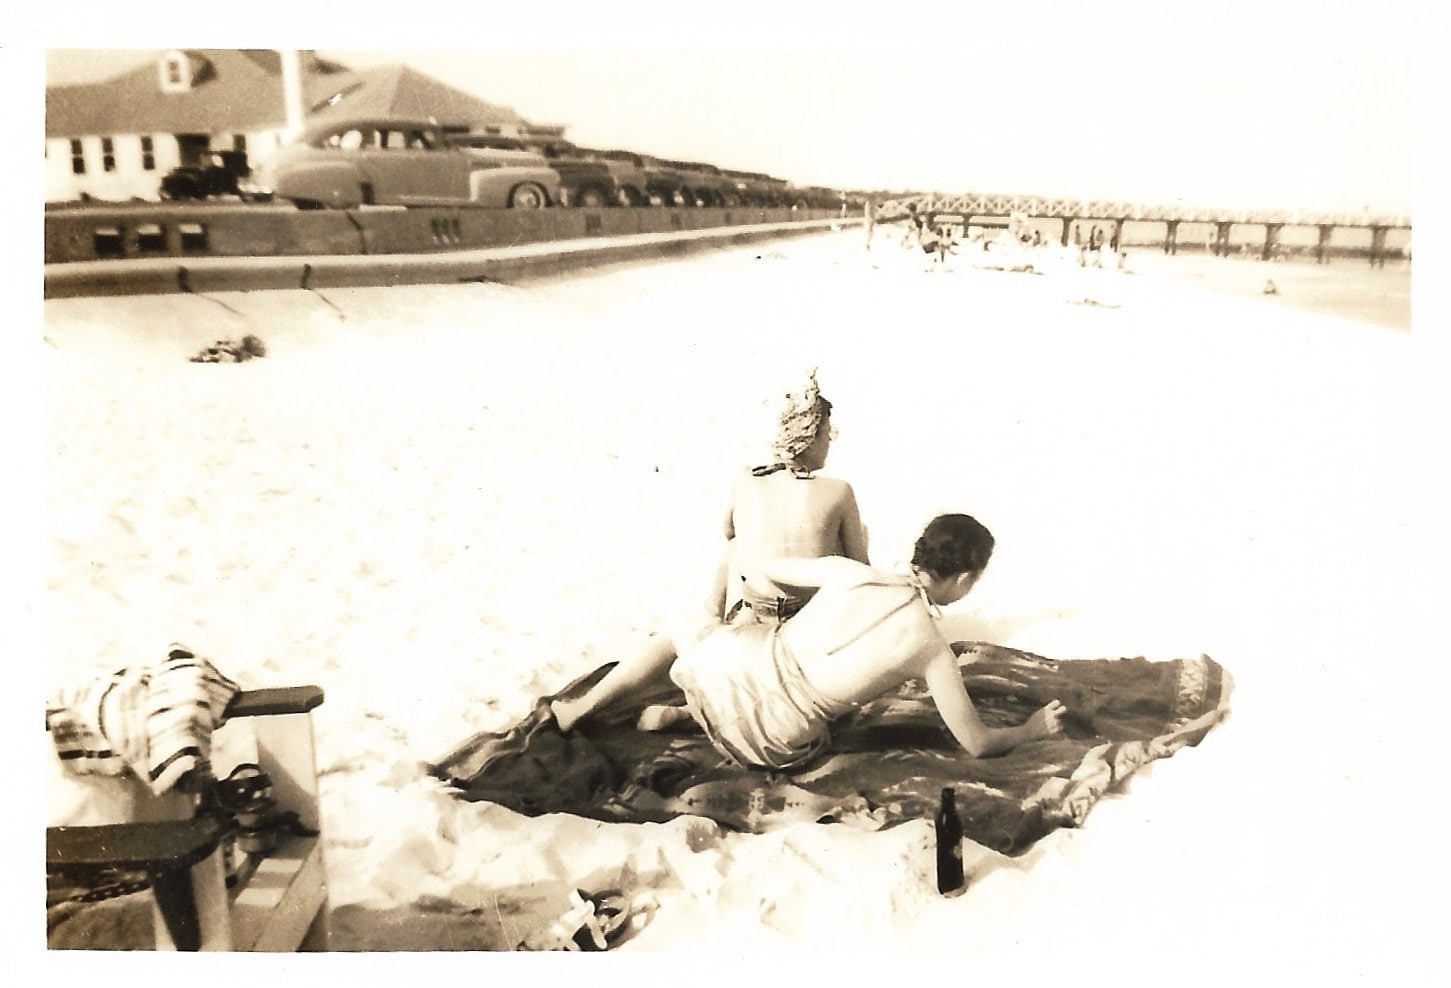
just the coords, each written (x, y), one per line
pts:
(633, 674)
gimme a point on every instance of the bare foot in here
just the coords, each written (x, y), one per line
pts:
(660, 716)
(566, 713)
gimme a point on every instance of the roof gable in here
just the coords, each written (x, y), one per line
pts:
(397, 90)
(239, 90)
(230, 90)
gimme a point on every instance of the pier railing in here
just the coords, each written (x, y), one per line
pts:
(984, 204)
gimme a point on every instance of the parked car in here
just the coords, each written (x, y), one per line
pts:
(225, 174)
(642, 180)
(584, 183)
(406, 162)
(704, 184)
(813, 197)
(757, 189)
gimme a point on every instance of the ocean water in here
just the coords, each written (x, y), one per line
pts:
(1349, 288)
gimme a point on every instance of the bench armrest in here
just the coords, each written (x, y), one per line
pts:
(280, 700)
(165, 845)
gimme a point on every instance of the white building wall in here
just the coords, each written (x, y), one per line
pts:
(131, 179)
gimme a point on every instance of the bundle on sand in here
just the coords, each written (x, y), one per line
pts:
(886, 763)
(231, 351)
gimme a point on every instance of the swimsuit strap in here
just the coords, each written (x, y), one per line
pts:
(932, 607)
(906, 601)
(800, 473)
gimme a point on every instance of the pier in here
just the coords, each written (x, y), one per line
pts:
(972, 206)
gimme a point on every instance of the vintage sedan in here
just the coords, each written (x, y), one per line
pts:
(583, 181)
(405, 162)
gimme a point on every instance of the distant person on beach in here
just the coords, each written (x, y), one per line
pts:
(766, 695)
(946, 244)
(914, 227)
(932, 242)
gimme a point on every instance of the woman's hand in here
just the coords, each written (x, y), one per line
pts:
(1048, 720)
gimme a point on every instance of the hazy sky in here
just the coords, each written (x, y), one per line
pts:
(1284, 103)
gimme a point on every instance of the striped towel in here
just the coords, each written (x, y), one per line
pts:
(155, 722)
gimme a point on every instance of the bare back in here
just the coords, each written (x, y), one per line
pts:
(858, 641)
(782, 515)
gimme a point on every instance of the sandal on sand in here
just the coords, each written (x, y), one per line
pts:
(593, 922)
(604, 929)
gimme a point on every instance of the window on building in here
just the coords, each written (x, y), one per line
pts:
(174, 72)
(148, 154)
(108, 154)
(78, 158)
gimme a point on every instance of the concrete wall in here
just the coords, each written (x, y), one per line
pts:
(182, 230)
(309, 265)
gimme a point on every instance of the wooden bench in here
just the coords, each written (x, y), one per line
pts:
(278, 901)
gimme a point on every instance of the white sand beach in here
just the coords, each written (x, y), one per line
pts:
(440, 502)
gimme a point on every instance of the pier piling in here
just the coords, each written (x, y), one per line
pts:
(1221, 239)
(1378, 247)
(1272, 241)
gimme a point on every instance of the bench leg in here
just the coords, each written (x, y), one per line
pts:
(315, 940)
(177, 908)
(190, 907)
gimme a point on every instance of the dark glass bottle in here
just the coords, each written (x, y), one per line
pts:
(949, 844)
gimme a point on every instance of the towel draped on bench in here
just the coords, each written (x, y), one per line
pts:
(154, 722)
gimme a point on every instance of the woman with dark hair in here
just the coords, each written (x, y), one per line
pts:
(766, 694)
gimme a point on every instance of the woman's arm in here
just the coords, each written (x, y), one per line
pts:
(730, 515)
(812, 574)
(853, 533)
(715, 602)
(944, 681)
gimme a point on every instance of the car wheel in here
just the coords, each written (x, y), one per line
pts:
(591, 198)
(630, 198)
(308, 204)
(527, 196)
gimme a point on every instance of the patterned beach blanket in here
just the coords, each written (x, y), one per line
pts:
(887, 763)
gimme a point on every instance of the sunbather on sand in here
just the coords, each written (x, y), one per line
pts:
(784, 509)
(766, 695)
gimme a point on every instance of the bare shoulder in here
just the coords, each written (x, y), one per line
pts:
(838, 489)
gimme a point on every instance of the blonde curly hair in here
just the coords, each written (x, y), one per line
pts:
(803, 412)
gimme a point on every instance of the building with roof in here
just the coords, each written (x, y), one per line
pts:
(116, 139)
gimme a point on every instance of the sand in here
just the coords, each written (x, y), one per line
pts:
(438, 502)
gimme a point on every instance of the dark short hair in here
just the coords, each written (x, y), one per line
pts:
(952, 544)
